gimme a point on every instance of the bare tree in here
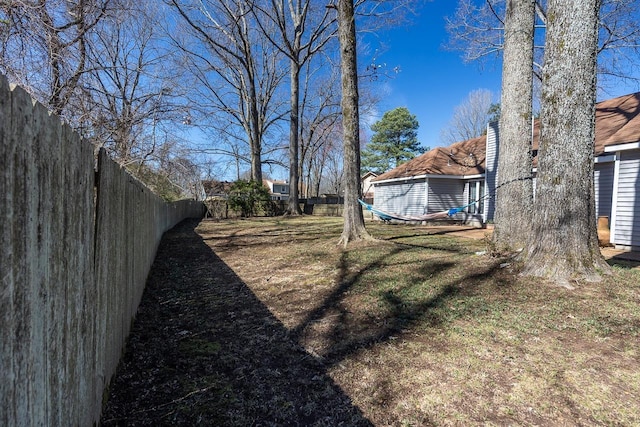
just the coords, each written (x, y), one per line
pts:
(329, 167)
(319, 116)
(619, 43)
(477, 30)
(45, 46)
(564, 243)
(469, 118)
(354, 228)
(514, 195)
(236, 70)
(133, 94)
(304, 27)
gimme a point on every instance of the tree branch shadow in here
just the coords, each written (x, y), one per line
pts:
(205, 350)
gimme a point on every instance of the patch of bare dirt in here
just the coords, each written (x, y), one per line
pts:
(205, 351)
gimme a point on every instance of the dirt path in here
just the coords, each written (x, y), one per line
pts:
(205, 351)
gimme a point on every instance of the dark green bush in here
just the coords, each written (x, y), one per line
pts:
(250, 198)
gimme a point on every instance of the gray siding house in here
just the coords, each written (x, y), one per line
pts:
(440, 179)
(448, 177)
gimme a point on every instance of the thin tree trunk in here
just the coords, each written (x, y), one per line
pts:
(354, 228)
(564, 244)
(293, 205)
(514, 195)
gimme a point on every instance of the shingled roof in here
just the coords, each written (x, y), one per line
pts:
(461, 158)
(617, 122)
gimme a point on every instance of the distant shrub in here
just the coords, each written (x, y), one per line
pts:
(249, 197)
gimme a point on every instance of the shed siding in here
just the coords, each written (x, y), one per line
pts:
(627, 223)
(491, 171)
(603, 186)
(445, 194)
(404, 198)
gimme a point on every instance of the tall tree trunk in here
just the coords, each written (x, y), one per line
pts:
(354, 228)
(514, 195)
(293, 205)
(255, 133)
(564, 244)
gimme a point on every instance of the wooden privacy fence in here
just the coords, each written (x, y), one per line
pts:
(76, 247)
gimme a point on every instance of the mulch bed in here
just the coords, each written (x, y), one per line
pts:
(204, 350)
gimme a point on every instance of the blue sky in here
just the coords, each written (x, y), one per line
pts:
(432, 80)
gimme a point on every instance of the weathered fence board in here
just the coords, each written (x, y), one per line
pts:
(74, 259)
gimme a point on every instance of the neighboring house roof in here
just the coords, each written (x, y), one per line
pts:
(459, 159)
(617, 122)
(216, 188)
(369, 174)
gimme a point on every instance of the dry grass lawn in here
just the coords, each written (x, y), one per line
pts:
(417, 329)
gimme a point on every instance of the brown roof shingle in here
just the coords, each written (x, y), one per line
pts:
(617, 121)
(461, 158)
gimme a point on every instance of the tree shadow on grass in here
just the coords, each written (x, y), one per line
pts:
(257, 237)
(352, 332)
(204, 350)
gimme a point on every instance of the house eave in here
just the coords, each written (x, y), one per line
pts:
(622, 147)
(476, 176)
(428, 176)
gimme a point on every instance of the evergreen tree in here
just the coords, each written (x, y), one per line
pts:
(249, 197)
(394, 142)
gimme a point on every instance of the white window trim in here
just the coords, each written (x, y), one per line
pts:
(605, 159)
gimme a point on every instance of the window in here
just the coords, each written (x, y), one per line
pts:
(476, 191)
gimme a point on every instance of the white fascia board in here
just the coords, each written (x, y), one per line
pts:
(428, 176)
(406, 178)
(622, 147)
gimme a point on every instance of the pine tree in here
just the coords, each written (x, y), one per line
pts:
(394, 142)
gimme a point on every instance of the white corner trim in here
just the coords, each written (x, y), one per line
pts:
(614, 200)
(426, 196)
